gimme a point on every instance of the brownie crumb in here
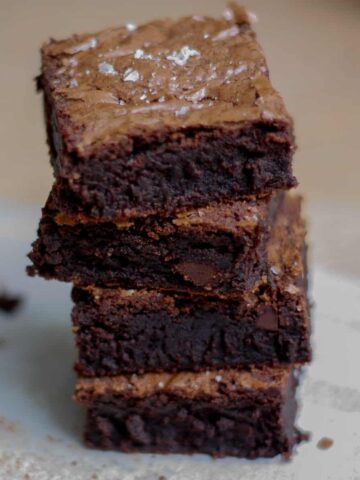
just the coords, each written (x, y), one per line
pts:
(303, 436)
(325, 443)
(9, 303)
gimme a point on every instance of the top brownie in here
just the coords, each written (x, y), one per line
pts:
(162, 117)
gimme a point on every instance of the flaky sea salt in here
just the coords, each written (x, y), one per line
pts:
(130, 27)
(230, 32)
(275, 270)
(131, 75)
(182, 56)
(107, 69)
(140, 54)
(197, 96)
(181, 111)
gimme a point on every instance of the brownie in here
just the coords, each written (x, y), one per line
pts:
(219, 248)
(162, 117)
(222, 412)
(126, 331)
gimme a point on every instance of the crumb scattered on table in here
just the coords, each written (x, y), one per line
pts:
(325, 443)
(9, 303)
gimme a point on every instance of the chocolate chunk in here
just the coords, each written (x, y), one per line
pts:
(268, 320)
(199, 274)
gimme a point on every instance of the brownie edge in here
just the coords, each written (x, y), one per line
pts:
(246, 414)
(218, 249)
(171, 115)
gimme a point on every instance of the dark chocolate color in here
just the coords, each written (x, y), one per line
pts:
(219, 249)
(154, 332)
(172, 115)
(223, 416)
(143, 330)
(8, 302)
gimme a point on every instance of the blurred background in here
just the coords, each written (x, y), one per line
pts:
(313, 50)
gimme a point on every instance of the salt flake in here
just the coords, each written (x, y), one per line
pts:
(139, 53)
(181, 111)
(183, 55)
(107, 69)
(131, 75)
(230, 32)
(130, 27)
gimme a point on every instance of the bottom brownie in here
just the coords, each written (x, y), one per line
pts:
(243, 413)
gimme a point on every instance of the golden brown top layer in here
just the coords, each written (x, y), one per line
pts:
(214, 383)
(165, 75)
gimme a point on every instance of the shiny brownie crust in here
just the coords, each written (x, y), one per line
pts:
(170, 115)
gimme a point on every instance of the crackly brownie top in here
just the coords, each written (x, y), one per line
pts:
(211, 383)
(165, 75)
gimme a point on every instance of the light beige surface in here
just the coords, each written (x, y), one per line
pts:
(313, 48)
(40, 426)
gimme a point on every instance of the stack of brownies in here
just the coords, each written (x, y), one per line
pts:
(172, 155)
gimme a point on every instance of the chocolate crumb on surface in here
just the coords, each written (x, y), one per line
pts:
(325, 443)
(8, 302)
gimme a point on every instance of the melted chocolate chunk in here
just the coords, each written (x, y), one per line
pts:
(268, 320)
